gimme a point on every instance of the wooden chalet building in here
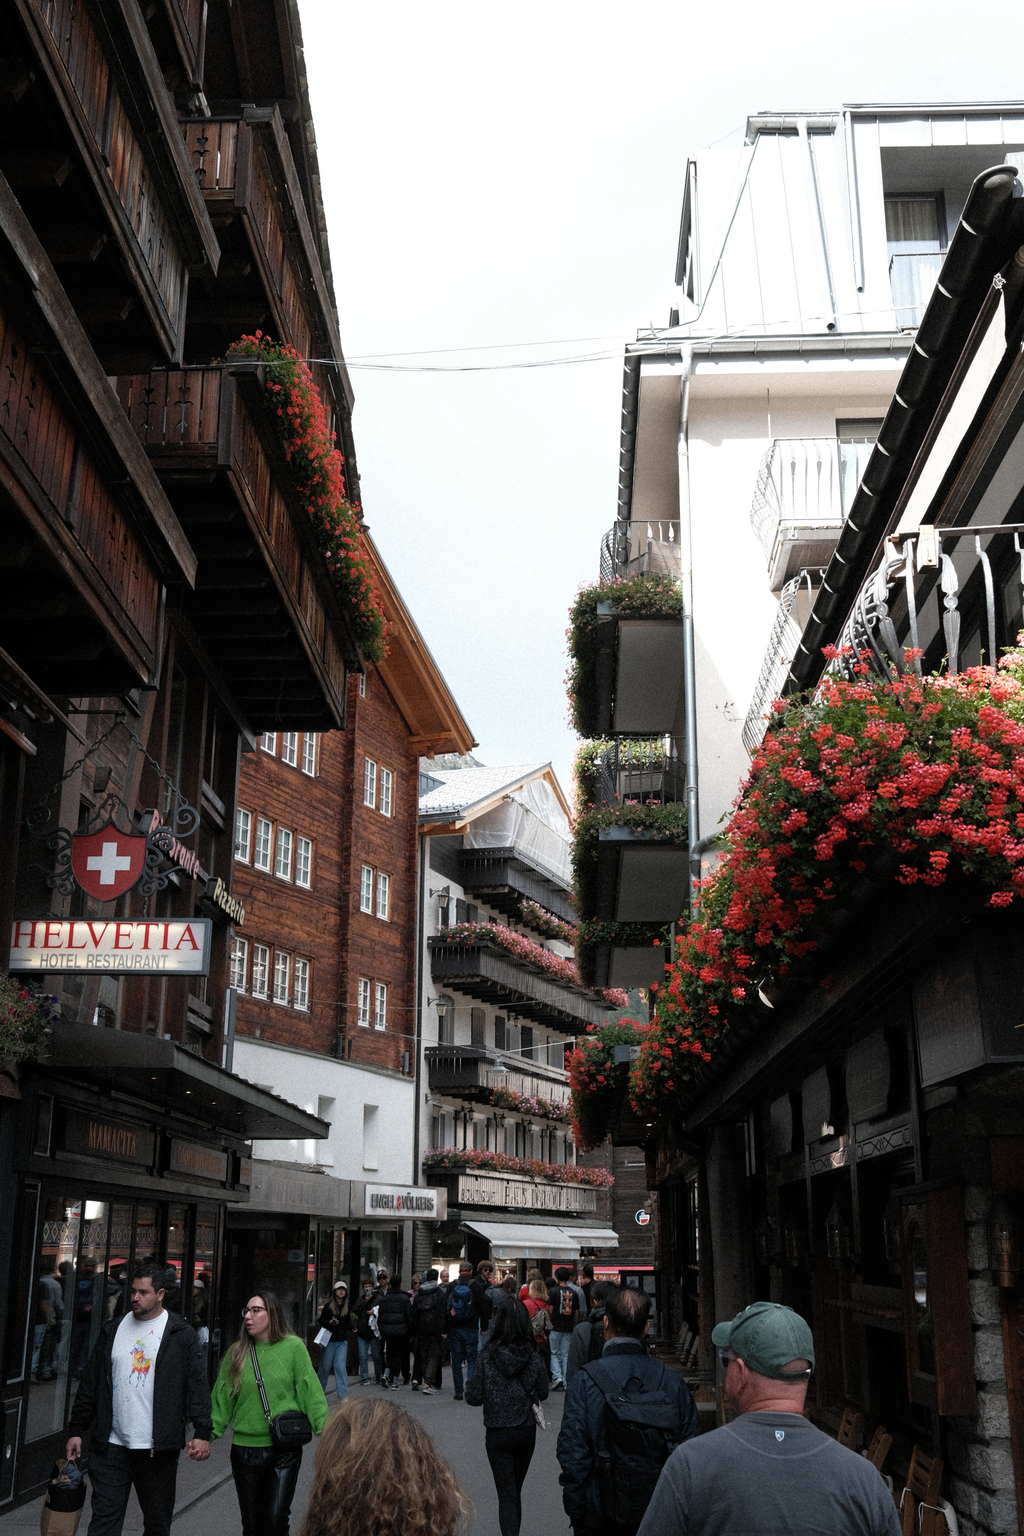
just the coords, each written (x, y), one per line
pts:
(162, 603)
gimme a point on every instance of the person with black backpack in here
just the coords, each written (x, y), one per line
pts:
(587, 1342)
(462, 1325)
(624, 1416)
(565, 1314)
(428, 1325)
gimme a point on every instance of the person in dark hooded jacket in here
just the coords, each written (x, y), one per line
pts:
(394, 1319)
(508, 1379)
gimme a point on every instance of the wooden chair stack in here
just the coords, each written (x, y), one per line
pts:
(922, 1493)
(878, 1450)
(851, 1427)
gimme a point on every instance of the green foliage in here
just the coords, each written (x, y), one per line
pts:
(635, 597)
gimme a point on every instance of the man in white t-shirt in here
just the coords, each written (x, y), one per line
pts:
(143, 1382)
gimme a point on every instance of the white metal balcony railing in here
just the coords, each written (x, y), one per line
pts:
(805, 488)
(642, 548)
(795, 603)
(912, 277)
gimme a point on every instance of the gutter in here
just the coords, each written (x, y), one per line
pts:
(991, 227)
(686, 586)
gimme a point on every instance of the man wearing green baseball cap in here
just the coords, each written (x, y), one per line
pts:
(769, 1472)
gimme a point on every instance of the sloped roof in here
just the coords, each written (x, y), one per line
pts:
(463, 789)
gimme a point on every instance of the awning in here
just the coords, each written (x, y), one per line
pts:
(167, 1076)
(594, 1237)
(520, 1240)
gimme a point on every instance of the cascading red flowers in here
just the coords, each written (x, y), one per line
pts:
(928, 769)
(297, 411)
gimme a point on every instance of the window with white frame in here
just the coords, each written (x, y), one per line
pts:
(366, 889)
(300, 996)
(383, 896)
(362, 685)
(268, 741)
(283, 864)
(304, 861)
(363, 1014)
(264, 835)
(380, 1005)
(243, 833)
(290, 748)
(309, 753)
(386, 781)
(369, 782)
(239, 961)
(260, 969)
(282, 975)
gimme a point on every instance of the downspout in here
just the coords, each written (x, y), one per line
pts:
(689, 660)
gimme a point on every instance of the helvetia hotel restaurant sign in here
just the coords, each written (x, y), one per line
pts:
(168, 947)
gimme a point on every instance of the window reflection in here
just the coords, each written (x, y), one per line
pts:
(53, 1311)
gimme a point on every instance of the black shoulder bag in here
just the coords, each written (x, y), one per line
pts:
(289, 1431)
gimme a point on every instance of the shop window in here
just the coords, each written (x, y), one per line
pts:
(204, 1276)
(264, 836)
(243, 833)
(309, 754)
(177, 1257)
(936, 1301)
(290, 748)
(282, 976)
(301, 997)
(260, 969)
(55, 1327)
(239, 963)
(366, 889)
(383, 896)
(380, 1006)
(268, 741)
(283, 863)
(304, 862)
(363, 1014)
(386, 781)
(369, 783)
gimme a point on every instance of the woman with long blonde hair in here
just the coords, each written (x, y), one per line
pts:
(265, 1476)
(378, 1473)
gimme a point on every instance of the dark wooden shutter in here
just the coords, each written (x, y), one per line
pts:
(477, 1024)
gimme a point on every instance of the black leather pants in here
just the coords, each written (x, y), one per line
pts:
(265, 1483)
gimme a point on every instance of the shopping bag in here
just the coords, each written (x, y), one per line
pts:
(65, 1500)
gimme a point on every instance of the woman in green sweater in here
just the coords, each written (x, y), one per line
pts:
(265, 1477)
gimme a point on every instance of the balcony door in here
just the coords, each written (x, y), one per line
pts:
(915, 233)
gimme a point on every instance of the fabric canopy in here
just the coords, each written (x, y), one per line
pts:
(521, 1240)
(594, 1237)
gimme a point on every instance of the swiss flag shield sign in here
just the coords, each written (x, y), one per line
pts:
(107, 863)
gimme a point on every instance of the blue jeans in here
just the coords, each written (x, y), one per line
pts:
(462, 1343)
(369, 1347)
(559, 1354)
(335, 1354)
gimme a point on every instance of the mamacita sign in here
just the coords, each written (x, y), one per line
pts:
(399, 1200)
(107, 1139)
(175, 947)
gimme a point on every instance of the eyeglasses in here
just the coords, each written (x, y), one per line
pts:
(726, 1355)
(252, 1311)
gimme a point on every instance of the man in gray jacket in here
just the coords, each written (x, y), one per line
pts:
(769, 1470)
(587, 1342)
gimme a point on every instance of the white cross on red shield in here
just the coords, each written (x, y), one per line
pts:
(108, 862)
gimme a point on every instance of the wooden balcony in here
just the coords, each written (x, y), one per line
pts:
(492, 974)
(271, 277)
(91, 149)
(264, 605)
(505, 877)
(468, 1072)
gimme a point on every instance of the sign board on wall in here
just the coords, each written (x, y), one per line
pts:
(190, 1157)
(108, 1139)
(170, 947)
(523, 1195)
(400, 1200)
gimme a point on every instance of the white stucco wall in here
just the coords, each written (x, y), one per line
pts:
(371, 1111)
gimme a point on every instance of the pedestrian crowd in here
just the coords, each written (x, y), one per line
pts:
(632, 1459)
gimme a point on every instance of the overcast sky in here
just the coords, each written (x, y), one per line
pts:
(499, 174)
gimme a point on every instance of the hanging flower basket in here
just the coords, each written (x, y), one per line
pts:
(27, 1017)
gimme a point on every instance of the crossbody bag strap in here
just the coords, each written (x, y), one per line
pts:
(259, 1383)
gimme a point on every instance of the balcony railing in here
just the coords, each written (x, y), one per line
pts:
(795, 602)
(648, 770)
(804, 486)
(205, 431)
(470, 1072)
(491, 974)
(953, 593)
(641, 549)
(506, 877)
(912, 277)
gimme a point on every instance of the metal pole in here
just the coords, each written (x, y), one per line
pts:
(689, 659)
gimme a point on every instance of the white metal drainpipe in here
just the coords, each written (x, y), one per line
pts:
(689, 661)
